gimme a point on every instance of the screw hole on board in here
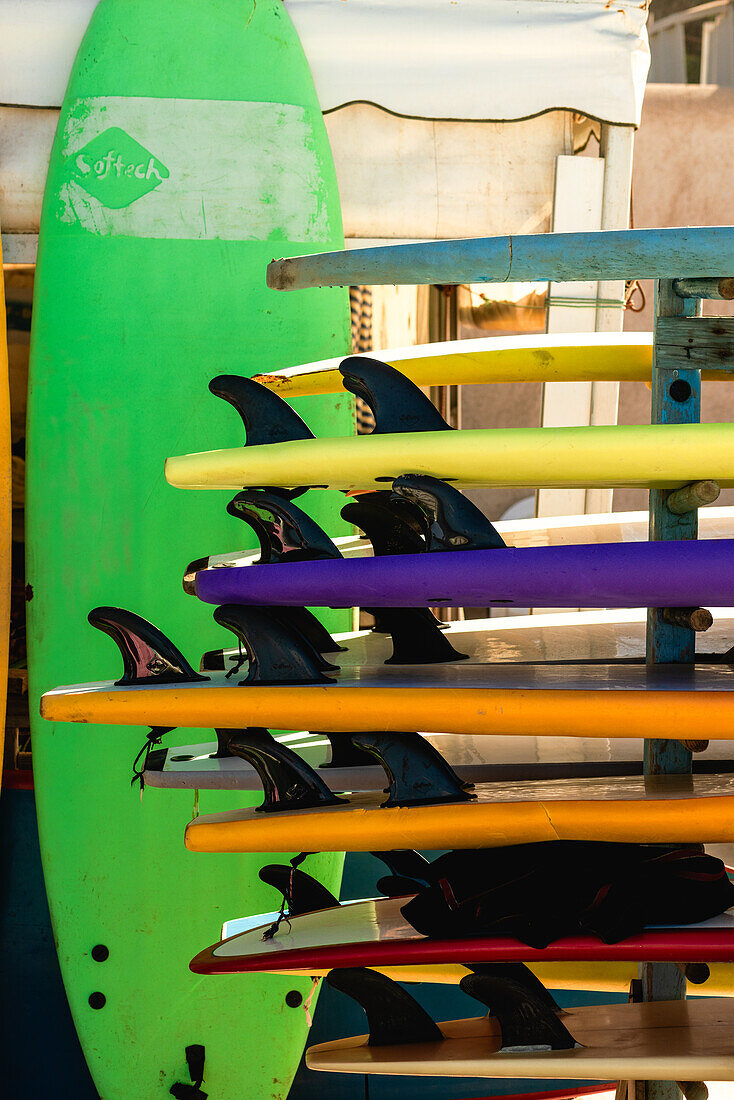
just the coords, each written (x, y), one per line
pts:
(293, 998)
(100, 953)
(97, 1000)
(680, 390)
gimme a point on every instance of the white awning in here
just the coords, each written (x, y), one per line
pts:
(495, 60)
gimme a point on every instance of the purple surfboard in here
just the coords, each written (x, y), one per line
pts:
(635, 574)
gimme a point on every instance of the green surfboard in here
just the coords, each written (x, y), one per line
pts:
(190, 150)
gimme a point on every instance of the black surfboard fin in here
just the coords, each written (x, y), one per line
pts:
(406, 863)
(147, 654)
(267, 418)
(417, 773)
(393, 1016)
(302, 892)
(306, 623)
(284, 531)
(397, 886)
(223, 737)
(396, 403)
(380, 625)
(526, 1020)
(344, 753)
(195, 1060)
(277, 652)
(299, 619)
(454, 523)
(520, 973)
(289, 783)
(416, 636)
(390, 530)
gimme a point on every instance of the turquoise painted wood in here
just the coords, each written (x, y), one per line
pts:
(676, 399)
(626, 254)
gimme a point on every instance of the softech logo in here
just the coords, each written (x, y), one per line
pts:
(117, 170)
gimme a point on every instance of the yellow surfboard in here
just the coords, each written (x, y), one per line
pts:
(425, 699)
(6, 513)
(663, 1040)
(665, 809)
(647, 456)
(568, 357)
(601, 977)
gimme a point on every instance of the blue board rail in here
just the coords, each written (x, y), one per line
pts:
(687, 253)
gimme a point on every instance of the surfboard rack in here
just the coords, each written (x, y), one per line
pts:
(417, 773)
(284, 531)
(301, 892)
(544, 257)
(525, 1019)
(289, 783)
(453, 522)
(147, 654)
(416, 636)
(393, 1016)
(390, 530)
(397, 404)
(277, 652)
(266, 417)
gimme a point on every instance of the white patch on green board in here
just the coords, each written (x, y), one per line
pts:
(190, 169)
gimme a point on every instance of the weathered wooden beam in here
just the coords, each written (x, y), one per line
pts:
(559, 257)
(696, 973)
(696, 619)
(688, 342)
(692, 496)
(715, 290)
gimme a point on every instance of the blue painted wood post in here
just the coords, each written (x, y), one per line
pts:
(676, 399)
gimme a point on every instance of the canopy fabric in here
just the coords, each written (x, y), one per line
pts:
(493, 60)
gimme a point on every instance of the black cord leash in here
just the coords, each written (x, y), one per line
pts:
(270, 932)
(153, 739)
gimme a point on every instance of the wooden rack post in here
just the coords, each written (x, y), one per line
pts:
(676, 399)
(684, 342)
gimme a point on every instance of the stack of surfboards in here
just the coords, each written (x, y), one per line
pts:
(390, 788)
